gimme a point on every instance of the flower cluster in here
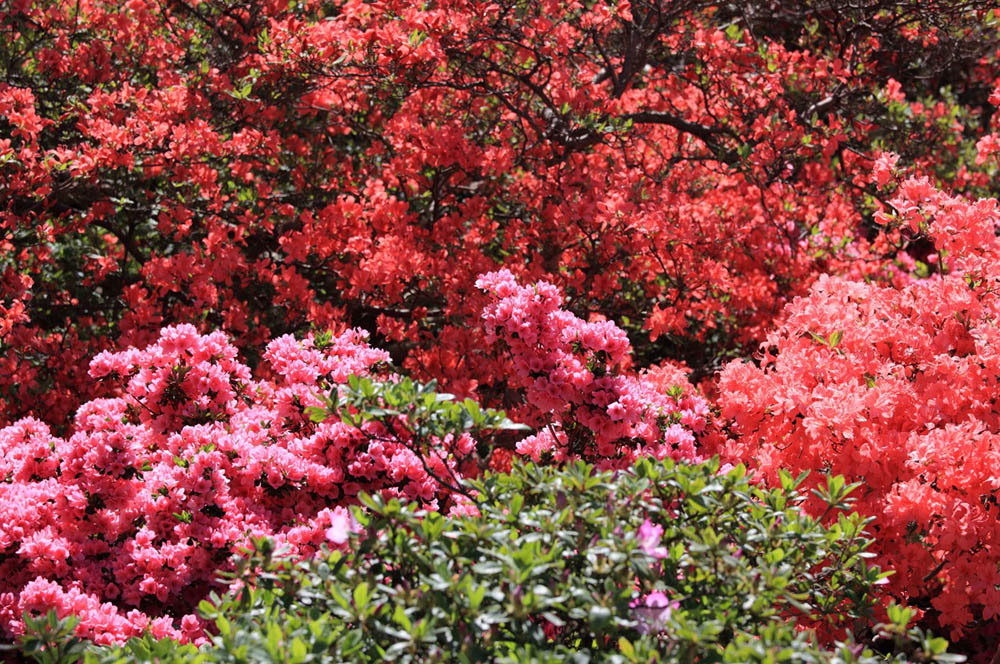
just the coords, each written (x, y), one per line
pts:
(575, 379)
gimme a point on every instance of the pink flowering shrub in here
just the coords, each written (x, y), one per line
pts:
(126, 522)
(897, 387)
(575, 382)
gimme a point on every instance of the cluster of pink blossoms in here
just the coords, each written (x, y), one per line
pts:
(125, 522)
(573, 373)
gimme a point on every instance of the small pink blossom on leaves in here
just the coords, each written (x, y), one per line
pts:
(653, 612)
(649, 539)
(340, 527)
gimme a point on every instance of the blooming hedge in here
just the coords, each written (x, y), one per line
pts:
(573, 378)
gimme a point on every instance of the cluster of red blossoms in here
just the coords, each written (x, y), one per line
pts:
(571, 211)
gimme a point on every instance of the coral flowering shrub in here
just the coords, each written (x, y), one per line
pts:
(898, 388)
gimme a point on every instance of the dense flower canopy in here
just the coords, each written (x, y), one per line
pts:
(641, 228)
(685, 168)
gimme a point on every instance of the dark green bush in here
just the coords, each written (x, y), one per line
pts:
(552, 570)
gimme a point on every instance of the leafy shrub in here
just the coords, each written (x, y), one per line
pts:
(664, 562)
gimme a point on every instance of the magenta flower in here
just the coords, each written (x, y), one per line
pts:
(649, 539)
(340, 527)
(653, 612)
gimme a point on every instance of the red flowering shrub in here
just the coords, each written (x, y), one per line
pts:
(262, 167)
(897, 387)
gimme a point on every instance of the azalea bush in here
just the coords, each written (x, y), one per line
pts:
(897, 387)
(126, 522)
(658, 562)
(131, 515)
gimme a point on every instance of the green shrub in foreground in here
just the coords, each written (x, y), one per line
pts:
(553, 569)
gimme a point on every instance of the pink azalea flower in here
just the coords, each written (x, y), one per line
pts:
(653, 612)
(649, 539)
(340, 527)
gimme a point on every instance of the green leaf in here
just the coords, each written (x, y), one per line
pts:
(299, 650)
(317, 414)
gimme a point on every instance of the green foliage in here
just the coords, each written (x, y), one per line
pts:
(413, 411)
(552, 570)
(49, 640)
(427, 412)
